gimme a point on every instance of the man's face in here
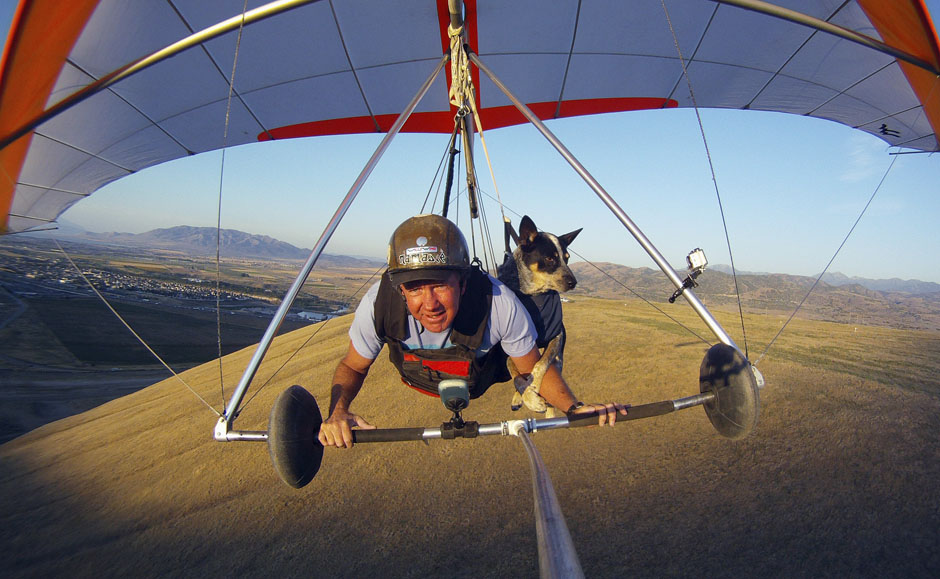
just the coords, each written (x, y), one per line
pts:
(433, 303)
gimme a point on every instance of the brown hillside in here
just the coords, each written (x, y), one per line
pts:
(839, 478)
(767, 293)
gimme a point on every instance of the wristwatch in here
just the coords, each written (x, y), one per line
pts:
(574, 407)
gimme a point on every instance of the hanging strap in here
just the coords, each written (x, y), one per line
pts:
(449, 184)
(461, 85)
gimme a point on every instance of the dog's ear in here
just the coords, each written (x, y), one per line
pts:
(509, 233)
(566, 239)
(527, 231)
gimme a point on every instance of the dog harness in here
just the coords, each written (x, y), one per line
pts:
(423, 369)
(546, 314)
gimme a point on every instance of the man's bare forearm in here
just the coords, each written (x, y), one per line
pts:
(556, 391)
(346, 385)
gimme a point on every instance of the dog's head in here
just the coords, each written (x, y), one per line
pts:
(542, 259)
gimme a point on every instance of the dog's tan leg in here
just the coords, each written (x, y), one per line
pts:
(518, 383)
(511, 366)
(529, 386)
(531, 397)
(548, 356)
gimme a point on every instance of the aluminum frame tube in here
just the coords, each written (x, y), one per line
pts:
(195, 39)
(829, 28)
(696, 400)
(533, 425)
(557, 555)
(605, 197)
(265, 343)
(455, 7)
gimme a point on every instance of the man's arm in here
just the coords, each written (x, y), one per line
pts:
(336, 430)
(554, 389)
(556, 392)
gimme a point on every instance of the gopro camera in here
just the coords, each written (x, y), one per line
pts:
(696, 260)
(455, 394)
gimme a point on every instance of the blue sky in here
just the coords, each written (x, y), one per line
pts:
(791, 188)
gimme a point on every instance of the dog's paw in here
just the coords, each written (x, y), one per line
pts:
(516, 401)
(533, 401)
(522, 382)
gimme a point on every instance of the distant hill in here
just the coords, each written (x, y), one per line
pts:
(909, 286)
(233, 243)
(895, 303)
(780, 293)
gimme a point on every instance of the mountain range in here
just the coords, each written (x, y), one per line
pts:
(779, 293)
(910, 286)
(203, 240)
(911, 304)
(234, 243)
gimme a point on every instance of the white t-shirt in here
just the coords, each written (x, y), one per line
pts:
(509, 324)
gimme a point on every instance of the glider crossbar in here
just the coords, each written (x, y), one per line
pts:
(605, 197)
(191, 41)
(527, 425)
(223, 426)
(827, 27)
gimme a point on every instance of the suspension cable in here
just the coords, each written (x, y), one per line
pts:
(486, 153)
(452, 151)
(825, 269)
(128, 326)
(487, 240)
(623, 285)
(473, 237)
(218, 226)
(894, 158)
(711, 167)
(307, 341)
(649, 303)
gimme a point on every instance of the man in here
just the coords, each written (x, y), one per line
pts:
(440, 318)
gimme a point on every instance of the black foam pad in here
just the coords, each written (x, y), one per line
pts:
(292, 436)
(727, 373)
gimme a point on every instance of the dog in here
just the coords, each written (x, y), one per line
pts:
(537, 271)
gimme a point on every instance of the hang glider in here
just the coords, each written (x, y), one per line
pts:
(342, 66)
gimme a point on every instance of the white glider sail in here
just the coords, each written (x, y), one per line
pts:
(344, 66)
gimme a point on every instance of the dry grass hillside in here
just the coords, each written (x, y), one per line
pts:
(838, 479)
(771, 293)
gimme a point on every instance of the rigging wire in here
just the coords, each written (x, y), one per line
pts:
(462, 95)
(438, 180)
(307, 341)
(128, 326)
(481, 222)
(485, 233)
(218, 226)
(711, 167)
(621, 284)
(437, 174)
(486, 153)
(649, 303)
(894, 157)
(473, 236)
(825, 269)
